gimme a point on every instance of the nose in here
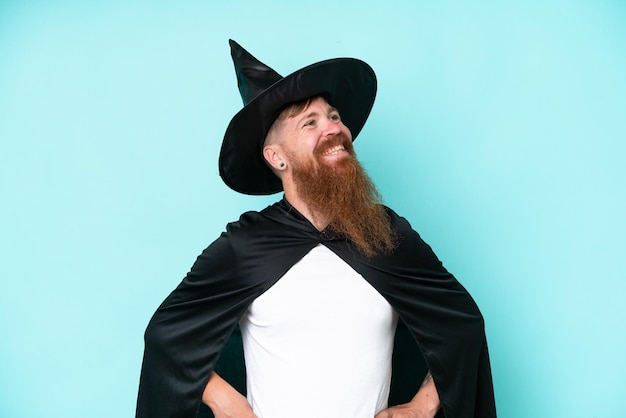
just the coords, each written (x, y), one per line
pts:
(331, 127)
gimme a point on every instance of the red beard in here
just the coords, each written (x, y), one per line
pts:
(341, 193)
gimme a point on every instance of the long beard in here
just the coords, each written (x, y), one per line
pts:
(343, 195)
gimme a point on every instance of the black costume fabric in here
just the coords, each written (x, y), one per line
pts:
(189, 330)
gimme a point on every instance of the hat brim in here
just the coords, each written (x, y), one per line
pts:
(348, 84)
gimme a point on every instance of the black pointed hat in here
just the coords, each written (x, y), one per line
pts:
(348, 84)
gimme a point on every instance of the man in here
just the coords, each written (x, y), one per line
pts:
(317, 282)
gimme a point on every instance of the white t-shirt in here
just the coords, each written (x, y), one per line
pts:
(319, 343)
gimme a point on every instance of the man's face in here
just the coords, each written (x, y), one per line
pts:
(312, 154)
(316, 136)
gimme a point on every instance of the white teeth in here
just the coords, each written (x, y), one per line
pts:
(334, 150)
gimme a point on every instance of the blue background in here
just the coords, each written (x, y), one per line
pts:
(498, 131)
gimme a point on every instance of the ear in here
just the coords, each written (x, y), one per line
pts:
(274, 157)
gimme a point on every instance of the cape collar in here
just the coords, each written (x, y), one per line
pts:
(285, 213)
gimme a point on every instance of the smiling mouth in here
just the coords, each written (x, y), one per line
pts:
(334, 150)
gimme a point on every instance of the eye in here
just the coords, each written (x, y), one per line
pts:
(335, 117)
(309, 122)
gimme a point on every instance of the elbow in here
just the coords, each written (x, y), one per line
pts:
(155, 337)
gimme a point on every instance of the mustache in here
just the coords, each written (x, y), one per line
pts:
(339, 139)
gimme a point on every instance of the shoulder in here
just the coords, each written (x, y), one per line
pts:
(251, 221)
(246, 221)
(400, 224)
(409, 238)
(254, 224)
(234, 241)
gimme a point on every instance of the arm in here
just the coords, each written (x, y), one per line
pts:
(424, 404)
(224, 400)
(186, 334)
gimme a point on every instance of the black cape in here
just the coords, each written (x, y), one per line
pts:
(188, 332)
